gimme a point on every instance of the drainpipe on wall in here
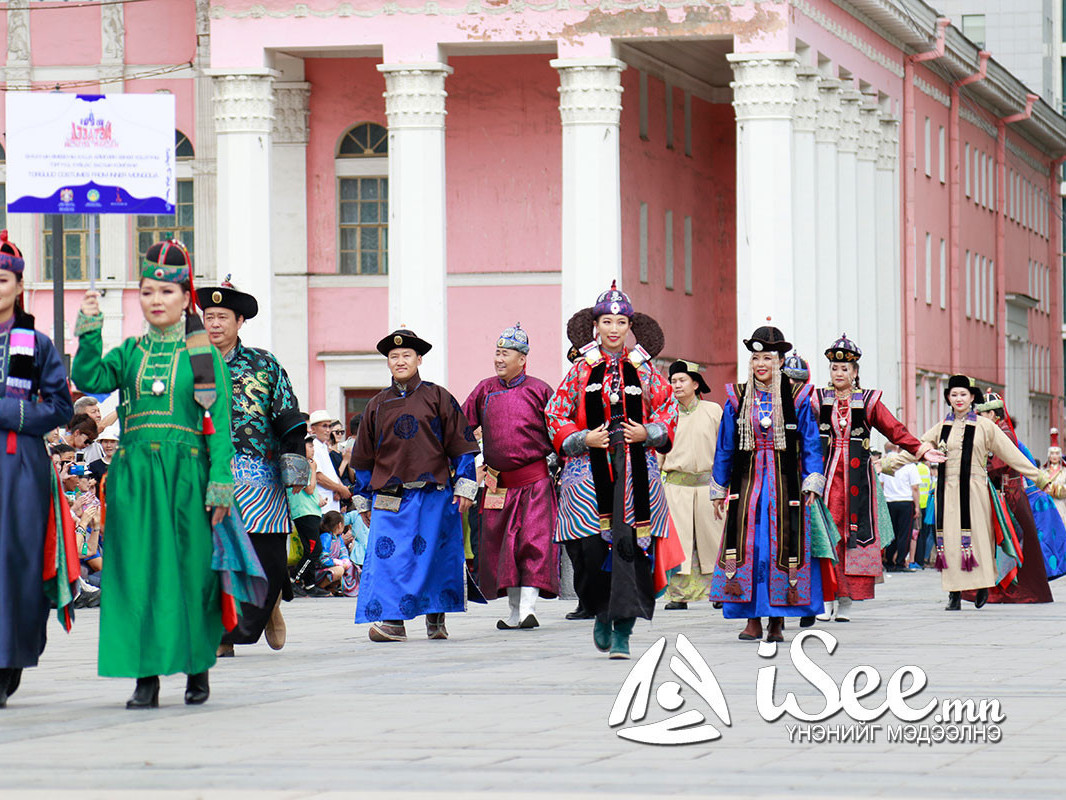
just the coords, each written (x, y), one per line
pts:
(910, 257)
(1001, 232)
(954, 211)
(1055, 260)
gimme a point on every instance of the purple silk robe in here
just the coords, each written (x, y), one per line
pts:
(516, 547)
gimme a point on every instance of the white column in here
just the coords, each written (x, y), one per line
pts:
(887, 298)
(418, 265)
(847, 233)
(804, 215)
(826, 138)
(205, 165)
(288, 230)
(590, 106)
(866, 228)
(764, 93)
(244, 119)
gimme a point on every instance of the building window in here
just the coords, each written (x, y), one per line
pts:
(990, 199)
(978, 302)
(669, 250)
(688, 255)
(643, 248)
(152, 228)
(180, 225)
(75, 248)
(669, 117)
(928, 148)
(943, 274)
(942, 162)
(643, 92)
(969, 300)
(977, 176)
(363, 200)
(929, 268)
(991, 318)
(688, 123)
(966, 161)
(973, 28)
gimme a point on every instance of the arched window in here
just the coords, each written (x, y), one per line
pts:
(363, 140)
(152, 228)
(362, 170)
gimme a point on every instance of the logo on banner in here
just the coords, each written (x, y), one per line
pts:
(90, 131)
(66, 195)
(953, 720)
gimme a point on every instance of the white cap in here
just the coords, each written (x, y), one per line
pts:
(320, 416)
(110, 432)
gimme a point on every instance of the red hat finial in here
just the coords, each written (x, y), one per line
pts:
(614, 284)
(1055, 437)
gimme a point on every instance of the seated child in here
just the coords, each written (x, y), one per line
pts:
(337, 572)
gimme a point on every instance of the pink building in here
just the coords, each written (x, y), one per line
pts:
(458, 166)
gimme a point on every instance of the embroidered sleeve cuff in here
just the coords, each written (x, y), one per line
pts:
(219, 495)
(85, 324)
(464, 487)
(658, 435)
(718, 492)
(574, 444)
(1042, 480)
(815, 483)
(360, 503)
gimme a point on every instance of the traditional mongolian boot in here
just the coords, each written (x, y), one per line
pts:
(981, 598)
(513, 621)
(843, 610)
(753, 632)
(527, 605)
(620, 637)
(601, 633)
(435, 626)
(954, 601)
(830, 612)
(5, 681)
(197, 689)
(806, 622)
(579, 613)
(388, 631)
(146, 695)
(676, 605)
(224, 651)
(776, 631)
(275, 627)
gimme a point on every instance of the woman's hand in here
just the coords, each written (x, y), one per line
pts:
(598, 438)
(218, 513)
(930, 454)
(90, 304)
(720, 507)
(634, 432)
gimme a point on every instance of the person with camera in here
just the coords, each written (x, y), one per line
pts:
(268, 437)
(34, 399)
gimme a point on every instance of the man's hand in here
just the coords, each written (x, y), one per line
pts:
(720, 507)
(366, 517)
(218, 513)
(634, 432)
(598, 438)
(343, 493)
(808, 498)
(464, 504)
(90, 303)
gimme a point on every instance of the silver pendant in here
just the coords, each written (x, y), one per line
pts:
(158, 387)
(764, 422)
(614, 397)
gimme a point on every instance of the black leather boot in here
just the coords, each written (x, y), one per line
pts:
(196, 689)
(954, 601)
(146, 695)
(979, 600)
(5, 680)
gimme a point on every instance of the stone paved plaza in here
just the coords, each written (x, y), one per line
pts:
(525, 713)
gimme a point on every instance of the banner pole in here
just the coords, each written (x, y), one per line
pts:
(58, 326)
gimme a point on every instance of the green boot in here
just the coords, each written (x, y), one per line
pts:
(620, 637)
(601, 633)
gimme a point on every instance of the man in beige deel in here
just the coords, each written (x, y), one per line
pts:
(686, 475)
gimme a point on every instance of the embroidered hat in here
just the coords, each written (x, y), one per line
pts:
(796, 368)
(402, 337)
(167, 261)
(613, 301)
(226, 296)
(10, 256)
(964, 382)
(1054, 439)
(692, 369)
(993, 402)
(767, 338)
(843, 350)
(514, 338)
